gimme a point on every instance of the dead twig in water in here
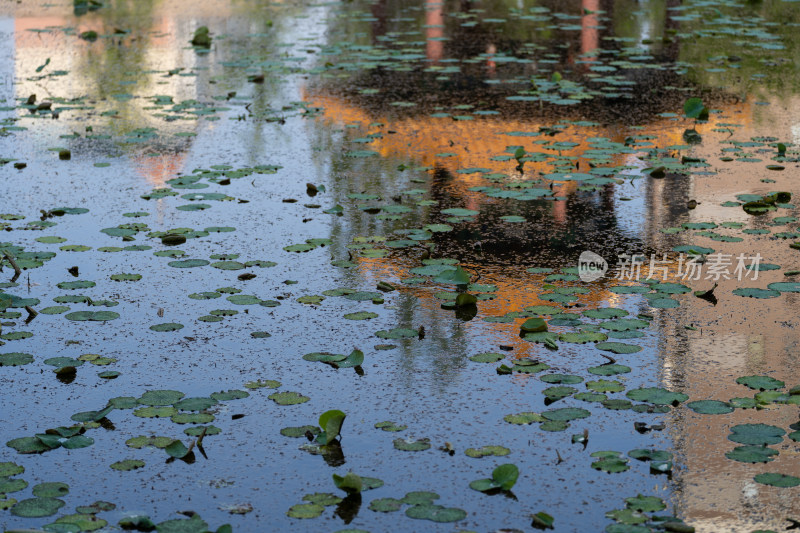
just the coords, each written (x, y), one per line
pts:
(32, 313)
(611, 360)
(14, 265)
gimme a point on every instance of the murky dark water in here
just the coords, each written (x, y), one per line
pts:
(548, 123)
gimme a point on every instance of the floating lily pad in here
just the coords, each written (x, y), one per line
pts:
(155, 412)
(751, 292)
(361, 315)
(459, 212)
(581, 337)
(195, 404)
(488, 357)
(760, 382)
(8, 486)
(561, 378)
(166, 327)
(504, 477)
(189, 263)
(50, 490)
(200, 430)
(79, 522)
(566, 414)
(390, 426)
(412, 445)
(228, 265)
(54, 310)
(785, 286)
(312, 299)
(397, 333)
(288, 398)
(93, 316)
(657, 396)
(524, 418)
(142, 441)
(558, 392)
(743, 403)
(624, 324)
(436, 513)
(193, 525)
(27, 445)
(77, 442)
(16, 335)
(160, 397)
(385, 505)
(305, 510)
(609, 369)
(15, 359)
(8, 469)
(126, 277)
(37, 507)
(72, 285)
(617, 405)
(777, 480)
(611, 464)
(136, 522)
(192, 418)
(752, 454)
(650, 455)
(618, 347)
(225, 396)
(605, 385)
(262, 384)
(710, 407)
(605, 312)
(645, 504)
(756, 434)
(590, 397)
(322, 498)
(485, 451)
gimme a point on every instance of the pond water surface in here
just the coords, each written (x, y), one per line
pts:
(341, 173)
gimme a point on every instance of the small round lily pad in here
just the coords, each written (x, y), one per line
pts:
(127, 464)
(757, 434)
(8, 469)
(288, 398)
(168, 326)
(710, 407)
(609, 370)
(488, 357)
(50, 490)
(760, 382)
(777, 480)
(412, 445)
(566, 414)
(15, 359)
(160, 397)
(752, 454)
(524, 418)
(657, 396)
(436, 513)
(390, 426)
(385, 505)
(618, 347)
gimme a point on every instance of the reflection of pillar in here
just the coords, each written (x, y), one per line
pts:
(590, 35)
(8, 57)
(560, 212)
(378, 10)
(674, 47)
(491, 66)
(434, 30)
